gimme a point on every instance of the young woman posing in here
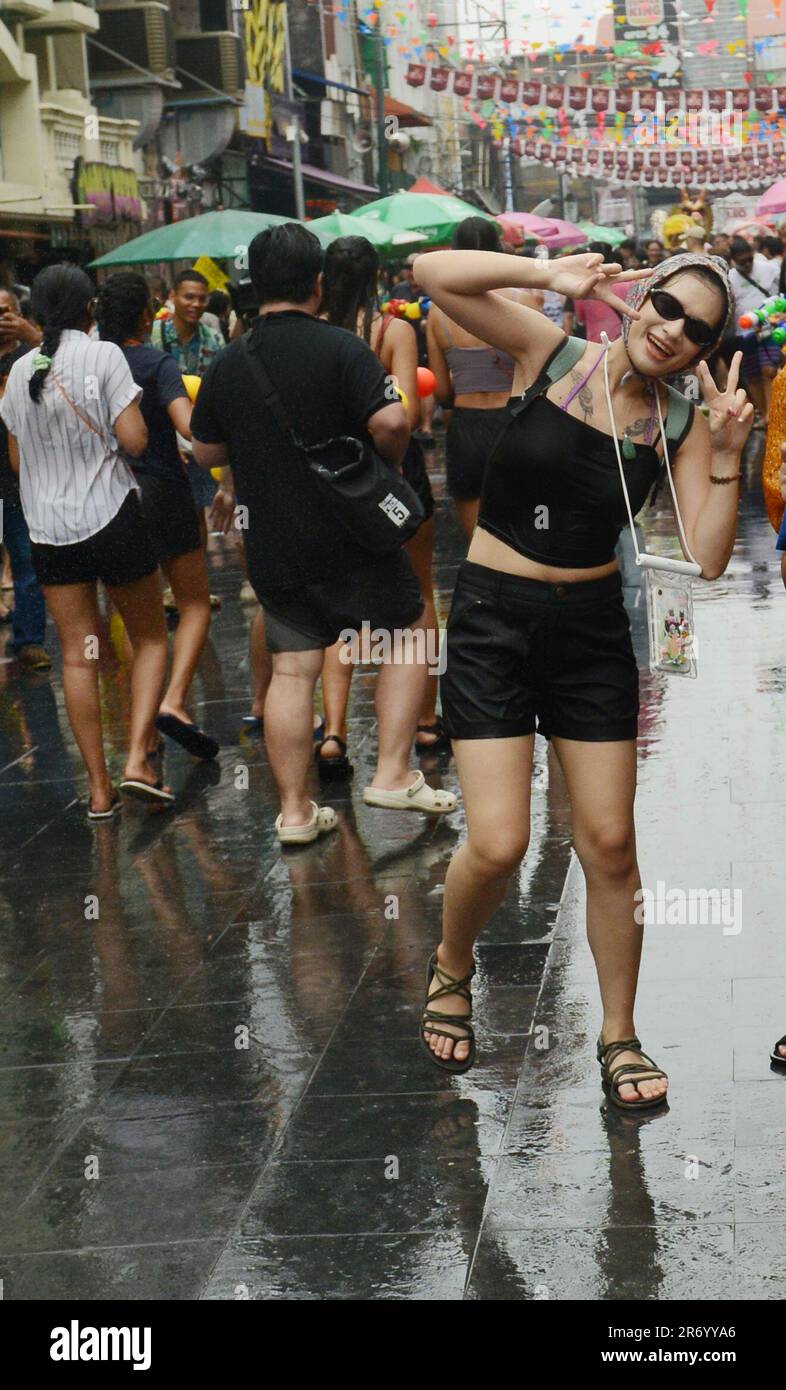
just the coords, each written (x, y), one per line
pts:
(124, 315)
(72, 412)
(475, 377)
(538, 626)
(350, 301)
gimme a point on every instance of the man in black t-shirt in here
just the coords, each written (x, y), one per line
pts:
(313, 580)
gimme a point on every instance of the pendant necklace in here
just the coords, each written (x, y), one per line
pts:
(628, 444)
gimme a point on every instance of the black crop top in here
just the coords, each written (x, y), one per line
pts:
(552, 488)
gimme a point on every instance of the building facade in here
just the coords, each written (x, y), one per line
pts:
(67, 175)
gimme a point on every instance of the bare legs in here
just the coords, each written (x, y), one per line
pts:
(74, 608)
(336, 686)
(495, 777)
(420, 550)
(400, 689)
(142, 611)
(261, 664)
(187, 578)
(601, 780)
(337, 674)
(289, 727)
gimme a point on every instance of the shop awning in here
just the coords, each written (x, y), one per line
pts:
(405, 115)
(314, 175)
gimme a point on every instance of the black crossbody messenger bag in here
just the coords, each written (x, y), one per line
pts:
(377, 507)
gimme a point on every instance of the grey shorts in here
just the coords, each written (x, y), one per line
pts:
(385, 593)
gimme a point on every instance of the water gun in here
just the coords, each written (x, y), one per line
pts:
(404, 309)
(767, 322)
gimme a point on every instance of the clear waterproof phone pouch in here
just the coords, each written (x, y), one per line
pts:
(671, 625)
(668, 583)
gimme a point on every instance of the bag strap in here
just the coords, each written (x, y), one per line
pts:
(84, 418)
(387, 319)
(753, 282)
(270, 394)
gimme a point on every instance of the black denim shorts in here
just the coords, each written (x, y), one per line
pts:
(121, 553)
(524, 656)
(171, 515)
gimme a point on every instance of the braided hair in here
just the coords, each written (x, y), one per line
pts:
(350, 283)
(59, 300)
(121, 301)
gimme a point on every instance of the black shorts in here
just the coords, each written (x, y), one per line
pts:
(171, 515)
(415, 472)
(386, 594)
(119, 554)
(523, 655)
(470, 437)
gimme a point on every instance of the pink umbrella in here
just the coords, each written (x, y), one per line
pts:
(774, 200)
(552, 231)
(564, 234)
(527, 224)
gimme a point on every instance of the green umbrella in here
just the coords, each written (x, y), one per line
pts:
(611, 235)
(384, 237)
(436, 216)
(221, 235)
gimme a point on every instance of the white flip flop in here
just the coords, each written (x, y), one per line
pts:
(152, 792)
(323, 819)
(419, 797)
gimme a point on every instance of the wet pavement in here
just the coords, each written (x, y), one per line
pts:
(211, 1084)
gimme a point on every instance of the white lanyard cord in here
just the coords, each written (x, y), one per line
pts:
(677, 511)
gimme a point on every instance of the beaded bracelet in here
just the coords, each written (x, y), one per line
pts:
(735, 477)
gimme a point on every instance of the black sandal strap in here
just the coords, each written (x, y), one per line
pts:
(615, 1048)
(449, 985)
(455, 1020)
(332, 738)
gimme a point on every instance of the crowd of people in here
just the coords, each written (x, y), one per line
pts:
(112, 473)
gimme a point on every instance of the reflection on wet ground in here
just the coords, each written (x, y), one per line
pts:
(210, 1078)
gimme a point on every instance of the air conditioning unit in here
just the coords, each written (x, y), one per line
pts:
(142, 33)
(215, 58)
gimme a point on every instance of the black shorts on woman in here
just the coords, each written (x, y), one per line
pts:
(526, 655)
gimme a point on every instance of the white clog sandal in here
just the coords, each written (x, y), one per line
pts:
(419, 797)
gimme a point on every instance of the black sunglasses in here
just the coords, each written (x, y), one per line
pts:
(669, 308)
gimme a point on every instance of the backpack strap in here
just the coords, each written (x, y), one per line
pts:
(561, 361)
(565, 359)
(680, 417)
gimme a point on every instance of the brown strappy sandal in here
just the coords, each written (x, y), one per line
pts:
(448, 985)
(628, 1073)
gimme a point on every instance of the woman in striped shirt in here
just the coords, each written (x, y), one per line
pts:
(72, 413)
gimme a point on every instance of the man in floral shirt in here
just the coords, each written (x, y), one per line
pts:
(193, 345)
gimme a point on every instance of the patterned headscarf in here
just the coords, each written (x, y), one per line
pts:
(686, 260)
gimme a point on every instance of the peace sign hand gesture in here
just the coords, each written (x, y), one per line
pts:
(588, 276)
(731, 413)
